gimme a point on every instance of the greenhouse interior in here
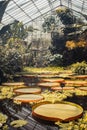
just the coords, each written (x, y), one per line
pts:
(43, 64)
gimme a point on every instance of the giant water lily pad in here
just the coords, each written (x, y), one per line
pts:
(65, 75)
(76, 82)
(26, 98)
(83, 88)
(64, 88)
(47, 75)
(62, 111)
(13, 84)
(58, 80)
(81, 76)
(31, 90)
(48, 84)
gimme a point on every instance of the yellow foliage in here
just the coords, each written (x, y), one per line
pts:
(18, 123)
(61, 9)
(82, 43)
(3, 118)
(80, 124)
(45, 70)
(6, 92)
(70, 44)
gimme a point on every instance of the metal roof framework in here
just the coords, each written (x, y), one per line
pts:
(27, 11)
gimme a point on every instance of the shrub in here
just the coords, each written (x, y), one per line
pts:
(55, 60)
(80, 68)
(14, 62)
(10, 61)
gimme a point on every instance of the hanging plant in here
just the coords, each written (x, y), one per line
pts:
(66, 15)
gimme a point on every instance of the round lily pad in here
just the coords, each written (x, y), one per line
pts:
(80, 76)
(76, 82)
(58, 80)
(13, 84)
(64, 88)
(47, 75)
(65, 75)
(31, 90)
(49, 84)
(61, 111)
(83, 88)
(26, 98)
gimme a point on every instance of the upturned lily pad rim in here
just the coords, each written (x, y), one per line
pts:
(56, 119)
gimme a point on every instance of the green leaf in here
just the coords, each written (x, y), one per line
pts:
(18, 123)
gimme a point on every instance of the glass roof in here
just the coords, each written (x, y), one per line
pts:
(29, 10)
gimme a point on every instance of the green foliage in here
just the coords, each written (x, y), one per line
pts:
(3, 118)
(2, 56)
(11, 61)
(55, 60)
(56, 96)
(57, 44)
(80, 124)
(79, 68)
(2, 61)
(18, 30)
(61, 95)
(14, 62)
(5, 127)
(68, 30)
(6, 96)
(60, 35)
(3, 121)
(66, 15)
(48, 23)
(68, 19)
(44, 70)
(17, 44)
(6, 93)
(30, 28)
(14, 30)
(15, 123)
(18, 123)
(11, 56)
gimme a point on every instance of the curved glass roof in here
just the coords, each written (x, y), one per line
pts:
(29, 10)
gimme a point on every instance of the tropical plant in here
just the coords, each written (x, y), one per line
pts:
(18, 123)
(70, 45)
(13, 48)
(13, 30)
(66, 15)
(79, 67)
(3, 121)
(11, 59)
(49, 24)
(55, 60)
(12, 62)
(68, 19)
(74, 44)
